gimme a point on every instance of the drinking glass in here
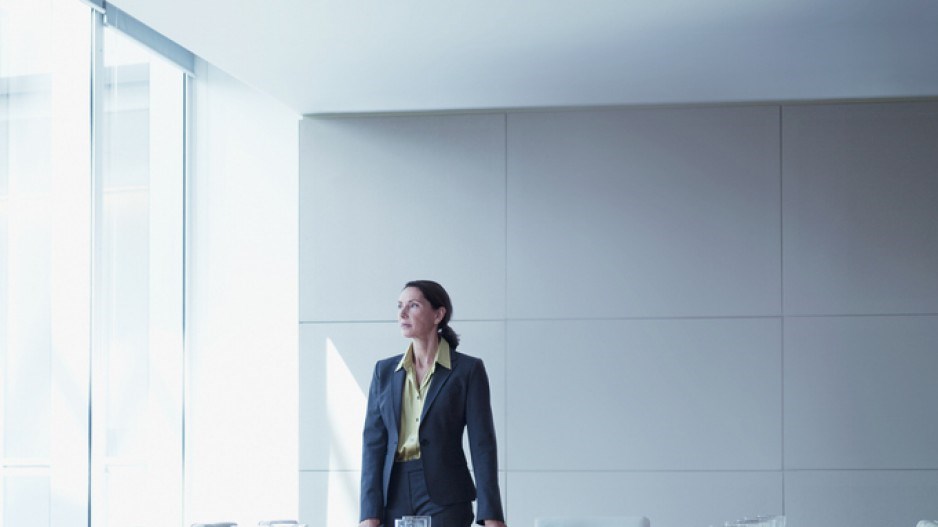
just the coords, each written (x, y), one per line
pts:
(758, 521)
(745, 522)
(413, 521)
(771, 521)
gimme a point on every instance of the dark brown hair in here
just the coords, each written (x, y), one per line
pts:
(438, 297)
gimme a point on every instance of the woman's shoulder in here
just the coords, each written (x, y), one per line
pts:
(389, 362)
(470, 360)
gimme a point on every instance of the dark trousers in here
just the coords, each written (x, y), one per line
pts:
(408, 496)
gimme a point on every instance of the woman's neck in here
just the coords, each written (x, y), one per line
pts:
(425, 349)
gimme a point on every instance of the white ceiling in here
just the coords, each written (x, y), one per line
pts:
(328, 56)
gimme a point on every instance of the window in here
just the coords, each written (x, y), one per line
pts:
(91, 272)
(44, 259)
(137, 360)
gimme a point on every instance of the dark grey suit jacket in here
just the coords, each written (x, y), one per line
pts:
(458, 399)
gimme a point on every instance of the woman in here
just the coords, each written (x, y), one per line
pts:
(413, 463)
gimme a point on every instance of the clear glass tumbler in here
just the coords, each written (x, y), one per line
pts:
(413, 521)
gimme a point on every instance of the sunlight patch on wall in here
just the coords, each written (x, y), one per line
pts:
(345, 411)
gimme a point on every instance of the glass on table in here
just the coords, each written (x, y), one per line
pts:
(772, 521)
(745, 522)
(412, 521)
(758, 521)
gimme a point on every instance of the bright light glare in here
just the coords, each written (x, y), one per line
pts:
(345, 409)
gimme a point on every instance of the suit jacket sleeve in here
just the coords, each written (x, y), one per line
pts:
(374, 448)
(482, 446)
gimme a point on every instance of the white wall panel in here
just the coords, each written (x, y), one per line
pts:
(241, 392)
(385, 200)
(860, 498)
(668, 499)
(644, 212)
(860, 195)
(621, 273)
(329, 498)
(336, 365)
(860, 392)
(645, 395)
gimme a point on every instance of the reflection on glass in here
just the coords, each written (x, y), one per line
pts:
(37, 309)
(137, 357)
(51, 230)
(25, 236)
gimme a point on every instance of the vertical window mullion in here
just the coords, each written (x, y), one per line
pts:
(96, 425)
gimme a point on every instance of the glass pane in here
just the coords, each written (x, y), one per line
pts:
(137, 433)
(26, 498)
(45, 228)
(47, 300)
(25, 228)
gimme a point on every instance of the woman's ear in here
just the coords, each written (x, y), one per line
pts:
(440, 315)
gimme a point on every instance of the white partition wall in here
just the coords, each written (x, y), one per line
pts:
(861, 295)
(694, 313)
(385, 200)
(241, 405)
(657, 212)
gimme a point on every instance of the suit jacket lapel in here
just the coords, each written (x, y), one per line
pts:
(440, 376)
(397, 393)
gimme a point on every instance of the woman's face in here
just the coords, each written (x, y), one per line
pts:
(415, 315)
